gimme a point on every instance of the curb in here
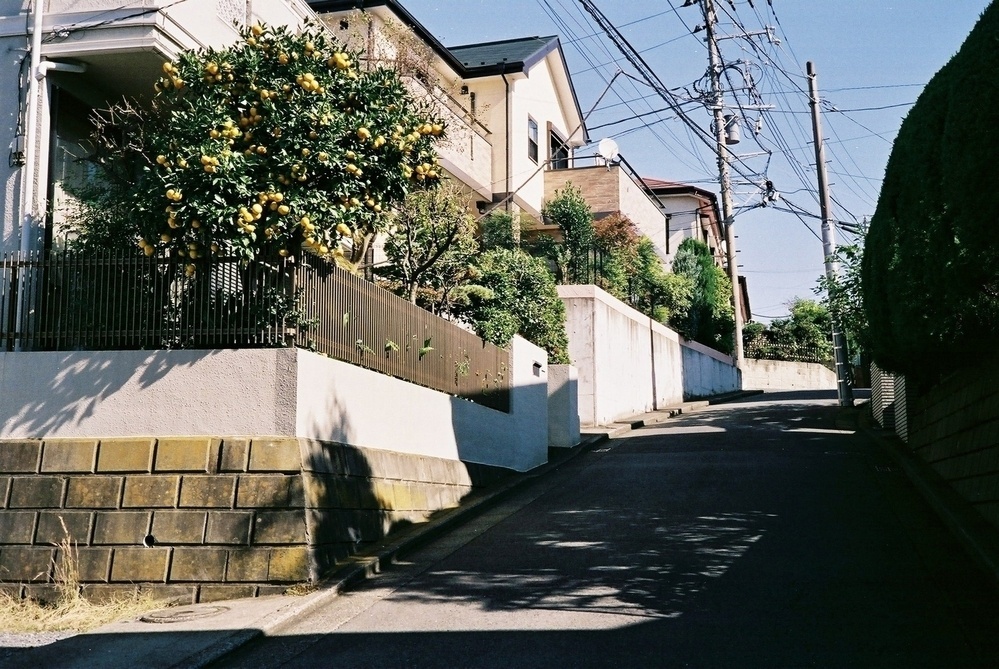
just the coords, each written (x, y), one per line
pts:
(978, 537)
(360, 567)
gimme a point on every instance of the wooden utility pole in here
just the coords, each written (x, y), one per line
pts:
(843, 391)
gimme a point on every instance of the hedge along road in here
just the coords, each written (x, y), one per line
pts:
(757, 533)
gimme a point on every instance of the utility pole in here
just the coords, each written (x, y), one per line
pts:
(724, 176)
(843, 391)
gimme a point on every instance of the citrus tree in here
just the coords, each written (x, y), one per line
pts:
(262, 148)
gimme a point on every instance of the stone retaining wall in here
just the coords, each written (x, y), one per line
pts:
(954, 427)
(204, 519)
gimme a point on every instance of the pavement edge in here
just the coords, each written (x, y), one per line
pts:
(361, 566)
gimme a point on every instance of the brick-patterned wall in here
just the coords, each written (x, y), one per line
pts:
(955, 428)
(204, 519)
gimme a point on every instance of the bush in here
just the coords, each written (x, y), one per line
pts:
(520, 298)
(710, 318)
(931, 266)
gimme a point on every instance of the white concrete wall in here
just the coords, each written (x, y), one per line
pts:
(350, 404)
(707, 372)
(161, 393)
(627, 363)
(782, 375)
(563, 406)
(269, 392)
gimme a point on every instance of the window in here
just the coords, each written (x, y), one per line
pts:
(70, 175)
(559, 151)
(532, 139)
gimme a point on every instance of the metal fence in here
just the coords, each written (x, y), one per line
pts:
(70, 301)
(767, 348)
(347, 318)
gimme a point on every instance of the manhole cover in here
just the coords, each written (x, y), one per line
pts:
(183, 614)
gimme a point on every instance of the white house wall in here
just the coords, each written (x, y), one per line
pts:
(534, 96)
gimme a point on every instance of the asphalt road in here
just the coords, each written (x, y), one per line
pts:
(762, 533)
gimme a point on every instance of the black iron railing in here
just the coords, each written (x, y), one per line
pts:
(72, 301)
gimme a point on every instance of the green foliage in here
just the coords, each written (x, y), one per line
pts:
(931, 266)
(431, 244)
(522, 299)
(806, 335)
(498, 231)
(658, 293)
(571, 256)
(844, 297)
(710, 318)
(258, 149)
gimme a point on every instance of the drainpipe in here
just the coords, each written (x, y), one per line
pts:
(37, 74)
(509, 139)
(36, 77)
(31, 129)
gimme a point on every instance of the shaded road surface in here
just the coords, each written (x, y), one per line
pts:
(754, 534)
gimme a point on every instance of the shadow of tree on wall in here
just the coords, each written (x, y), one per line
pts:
(81, 381)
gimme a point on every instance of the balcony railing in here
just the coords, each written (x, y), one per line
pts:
(466, 145)
(71, 302)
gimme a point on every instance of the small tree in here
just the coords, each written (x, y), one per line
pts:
(520, 297)
(258, 149)
(571, 256)
(710, 319)
(431, 244)
(805, 335)
(615, 240)
(498, 231)
(843, 296)
(659, 294)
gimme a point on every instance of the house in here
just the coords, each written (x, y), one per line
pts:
(510, 107)
(690, 212)
(693, 212)
(80, 55)
(614, 188)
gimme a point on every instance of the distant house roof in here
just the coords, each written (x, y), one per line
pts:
(470, 60)
(660, 187)
(512, 55)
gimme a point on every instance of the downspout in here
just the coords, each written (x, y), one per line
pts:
(36, 76)
(31, 130)
(509, 141)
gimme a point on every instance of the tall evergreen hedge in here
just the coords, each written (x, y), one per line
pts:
(931, 265)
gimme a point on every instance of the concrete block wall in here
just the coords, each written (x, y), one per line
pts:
(954, 427)
(203, 519)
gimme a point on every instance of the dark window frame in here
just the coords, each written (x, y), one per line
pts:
(532, 139)
(559, 153)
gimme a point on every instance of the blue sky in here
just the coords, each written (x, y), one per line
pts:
(872, 58)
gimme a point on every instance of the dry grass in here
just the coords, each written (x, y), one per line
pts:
(69, 611)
